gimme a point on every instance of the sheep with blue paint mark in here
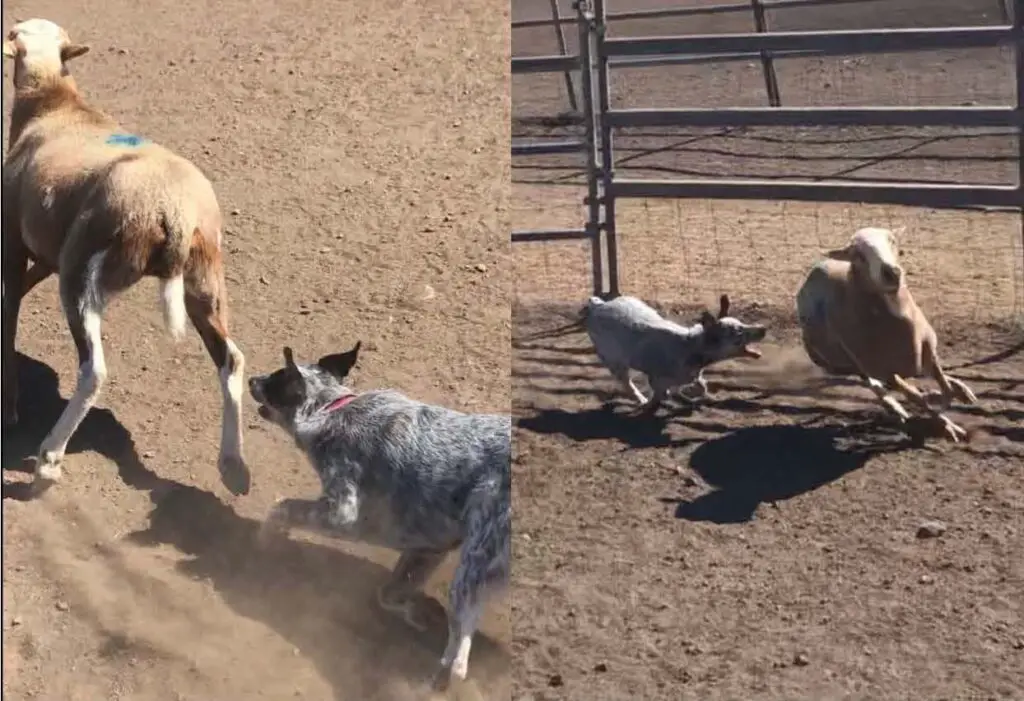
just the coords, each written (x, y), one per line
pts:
(102, 209)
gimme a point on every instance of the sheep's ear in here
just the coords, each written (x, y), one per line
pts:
(845, 253)
(341, 364)
(723, 306)
(10, 48)
(73, 51)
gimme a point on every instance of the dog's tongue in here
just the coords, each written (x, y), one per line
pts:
(751, 352)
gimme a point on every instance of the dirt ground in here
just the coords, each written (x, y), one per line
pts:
(765, 544)
(360, 153)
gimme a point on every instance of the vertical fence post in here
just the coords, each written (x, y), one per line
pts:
(607, 146)
(560, 38)
(1018, 49)
(584, 18)
(771, 80)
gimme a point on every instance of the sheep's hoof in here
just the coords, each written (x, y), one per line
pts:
(234, 474)
(963, 392)
(951, 430)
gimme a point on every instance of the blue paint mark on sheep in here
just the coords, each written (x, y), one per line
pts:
(125, 140)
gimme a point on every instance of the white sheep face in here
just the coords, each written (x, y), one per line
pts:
(873, 250)
(40, 46)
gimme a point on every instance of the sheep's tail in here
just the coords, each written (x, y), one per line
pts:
(172, 300)
(172, 288)
(578, 325)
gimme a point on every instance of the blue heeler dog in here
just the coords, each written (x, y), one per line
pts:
(398, 473)
(629, 335)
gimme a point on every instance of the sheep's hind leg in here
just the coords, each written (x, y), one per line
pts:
(955, 432)
(207, 307)
(83, 300)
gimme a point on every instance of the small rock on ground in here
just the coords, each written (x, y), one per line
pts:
(931, 529)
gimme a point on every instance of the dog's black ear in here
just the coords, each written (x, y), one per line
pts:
(341, 364)
(723, 306)
(707, 319)
(289, 359)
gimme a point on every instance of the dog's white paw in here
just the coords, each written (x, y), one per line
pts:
(234, 474)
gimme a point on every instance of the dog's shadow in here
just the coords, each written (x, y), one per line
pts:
(322, 600)
(767, 464)
(39, 407)
(315, 596)
(614, 420)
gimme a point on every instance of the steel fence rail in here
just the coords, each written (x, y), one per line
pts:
(545, 64)
(538, 235)
(817, 117)
(687, 11)
(938, 196)
(844, 40)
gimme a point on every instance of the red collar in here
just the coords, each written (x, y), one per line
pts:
(340, 402)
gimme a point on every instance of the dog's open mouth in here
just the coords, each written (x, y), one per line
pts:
(749, 352)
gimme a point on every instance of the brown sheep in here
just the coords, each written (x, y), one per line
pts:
(859, 318)
(103, 209)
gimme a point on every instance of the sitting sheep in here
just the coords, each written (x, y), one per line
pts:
(859, 318)
(102, 209)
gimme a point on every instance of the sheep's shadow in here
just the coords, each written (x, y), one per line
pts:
(39, 406)
(319, 598)
(767, 464)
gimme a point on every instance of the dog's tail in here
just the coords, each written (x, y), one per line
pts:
(578, 325)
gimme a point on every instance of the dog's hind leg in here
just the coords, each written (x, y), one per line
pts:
(622, 375)
(411, 572)
(483, 569)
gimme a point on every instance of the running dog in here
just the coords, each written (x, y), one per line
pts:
(629, 335)
(398, 473)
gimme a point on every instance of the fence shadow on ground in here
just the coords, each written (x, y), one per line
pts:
(39, 406)
(767, 464)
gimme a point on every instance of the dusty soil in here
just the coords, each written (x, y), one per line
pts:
(765, 544)
(360, 154)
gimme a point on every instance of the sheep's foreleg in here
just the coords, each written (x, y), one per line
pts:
(951, 429)
(872, 383)
(949, 387)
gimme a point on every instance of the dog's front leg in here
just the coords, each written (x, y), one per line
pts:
(329, 514)
(695, 390)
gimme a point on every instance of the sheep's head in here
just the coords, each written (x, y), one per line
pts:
(873, 256)
(40, 49)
